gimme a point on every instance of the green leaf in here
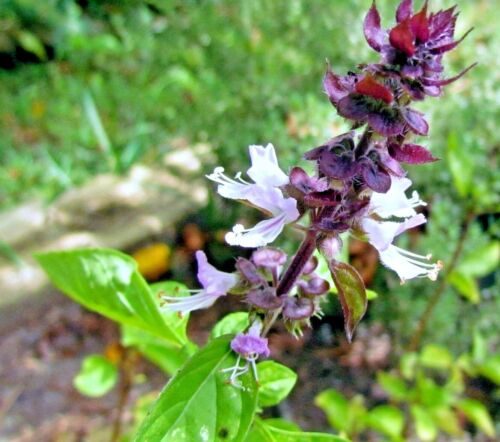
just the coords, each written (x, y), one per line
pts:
(447, 420)
(371, 295)
(436, 356)
(479, 347)
(177, 322)
(230, 324)
(490, 369)
(265, 431)
(461, 168)
(482, 260)
(283, 424)
(352, 294)
(425, 427)
(199, 404)
(163, 353)
(31, 43)
(275, 382)
(394, 386)
(387, 419)
(336, 408)
(466, 285)
(97, 376)
(408, 364)
(107, 282)
(477, 413)
(432, 395)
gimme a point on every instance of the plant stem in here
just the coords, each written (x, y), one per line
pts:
(438, 293)
(127, 365)
(364, 143)
(295, 268)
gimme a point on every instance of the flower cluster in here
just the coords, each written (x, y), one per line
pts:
(358, 186)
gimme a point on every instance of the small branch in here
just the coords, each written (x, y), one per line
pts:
(295, 268)
(364, 143)
(127, 369)
(438, 293)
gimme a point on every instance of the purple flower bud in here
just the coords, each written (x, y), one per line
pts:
(264, 299)
(268, 258)
(249, 271)
(310, 266)
(330, 247)
(250, 345)
(315, 286)
(298, 308)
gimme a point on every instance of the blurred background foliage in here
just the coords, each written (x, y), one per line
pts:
(89, 86)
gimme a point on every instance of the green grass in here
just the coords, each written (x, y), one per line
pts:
(229, 73)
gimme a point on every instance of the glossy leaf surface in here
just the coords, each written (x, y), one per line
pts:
(352, 294)
(108, 282)
(275, 382)
(198, 404)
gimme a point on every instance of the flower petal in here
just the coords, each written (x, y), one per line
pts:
(407, 266)
(265, 170)
(190, 303)
(261, 234)
(213, 281)
(395, 201)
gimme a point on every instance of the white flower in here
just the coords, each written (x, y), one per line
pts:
(264, 193)
(214, 282)
(381, 233)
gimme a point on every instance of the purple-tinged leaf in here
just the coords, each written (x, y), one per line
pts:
(442, 23)
(333, 87)
(419, 25)
(374, 34)
(353, 107)
(404, 11)
(372, 88)
(411, 154)
(401, 37)
(449, 45)
(329, 226)
(389, 163)
(306, 184)
(264, 299)
(315, 154)
(297, 308)
(322, 199)
(352, 294)
(415, 121)
(338, 167)
(412, 71)
(386, 123)
(446, 81)
(375, 177)
(432, 91)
